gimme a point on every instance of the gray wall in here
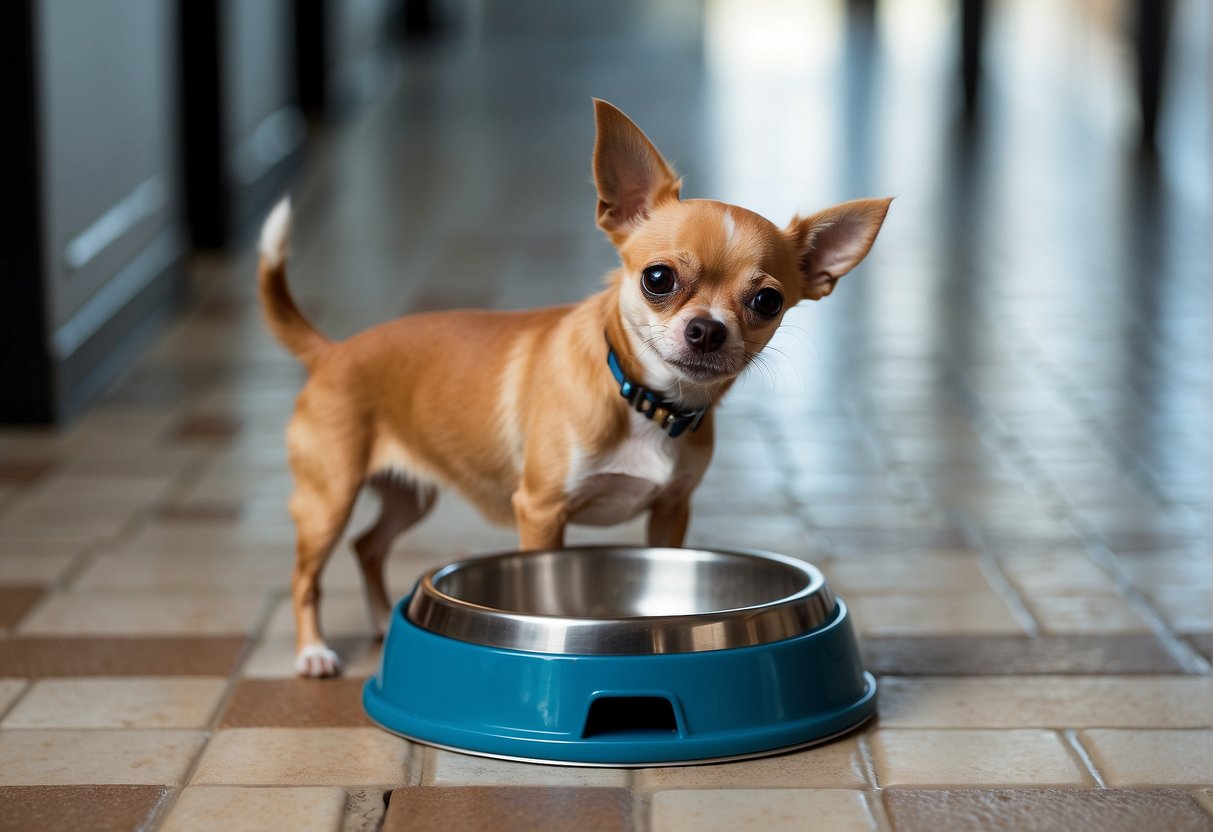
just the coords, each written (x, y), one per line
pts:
(111, 204)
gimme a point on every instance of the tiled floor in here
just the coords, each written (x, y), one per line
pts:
(994, 439)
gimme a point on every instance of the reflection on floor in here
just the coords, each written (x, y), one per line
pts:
(994, 438)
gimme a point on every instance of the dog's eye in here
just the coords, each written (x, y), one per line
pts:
(658, 280)
(767, 302)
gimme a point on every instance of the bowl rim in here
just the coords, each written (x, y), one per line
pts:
(808, 608)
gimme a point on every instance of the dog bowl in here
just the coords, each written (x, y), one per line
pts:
(621, 656)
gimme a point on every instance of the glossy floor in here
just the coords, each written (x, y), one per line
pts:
(993, 439)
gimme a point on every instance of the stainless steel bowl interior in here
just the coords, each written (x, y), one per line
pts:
(620, 583)
(623, 600)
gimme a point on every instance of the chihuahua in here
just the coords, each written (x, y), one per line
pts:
(590, 413)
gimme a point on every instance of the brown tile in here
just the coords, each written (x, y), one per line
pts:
(24, 472)
(1108, 810)
(509, 809)
(201, 513)
(16, 601)
(116, 808)
(295, 703)
(1017, 656)
(224, 308)
(36, 657)
(208, 427)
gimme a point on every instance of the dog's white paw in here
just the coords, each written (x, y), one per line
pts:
(317, 661)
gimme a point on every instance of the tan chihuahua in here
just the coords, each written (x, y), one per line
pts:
(590, 413)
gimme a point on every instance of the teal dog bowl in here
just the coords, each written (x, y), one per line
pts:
(621, 656)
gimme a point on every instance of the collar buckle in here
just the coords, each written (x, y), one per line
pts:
(651, 404)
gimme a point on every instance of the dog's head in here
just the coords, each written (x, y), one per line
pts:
(704, 284)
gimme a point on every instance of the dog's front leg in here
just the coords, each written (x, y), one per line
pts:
(541, 520)
(668, 521)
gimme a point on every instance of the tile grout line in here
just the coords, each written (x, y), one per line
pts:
(12, 706)
(991, 567)
(233, 679)
(1180, 650)
(877, 810)
(874, 793)
(1077, 750)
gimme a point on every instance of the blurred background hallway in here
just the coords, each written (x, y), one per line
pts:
(994, 438)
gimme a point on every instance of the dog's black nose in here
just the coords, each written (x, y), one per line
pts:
(705, 334)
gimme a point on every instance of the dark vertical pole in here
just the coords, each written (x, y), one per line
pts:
(418, 18)
(202, 121)
(26, 370)
(311, 56)
(1153, 21)
(972, 24)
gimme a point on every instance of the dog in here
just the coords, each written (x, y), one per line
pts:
(590, 413)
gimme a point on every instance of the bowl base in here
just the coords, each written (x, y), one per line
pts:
(770, 752)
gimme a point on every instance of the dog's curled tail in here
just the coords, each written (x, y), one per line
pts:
(281, 314)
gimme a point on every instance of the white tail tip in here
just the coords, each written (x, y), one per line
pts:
(276, 234)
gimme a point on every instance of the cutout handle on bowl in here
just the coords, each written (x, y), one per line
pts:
(630, 716)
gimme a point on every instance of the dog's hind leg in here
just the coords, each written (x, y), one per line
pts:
(321, 508)
(403, 504)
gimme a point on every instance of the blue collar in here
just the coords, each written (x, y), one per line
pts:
(649, 403)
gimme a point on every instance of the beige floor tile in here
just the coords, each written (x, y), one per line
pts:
(274, 656)
(1047, 702)
(981, 613)
(10, 689)
(769, 810)
(783, 534)
(1205, 798)
(158, 571)
(1084, 614)
(37, 758)
(1021, 757)
(203, 539)
(52, 547)
(1057, 575)
(1188, 609)
(303, 757)
(342, 613)
(837, 764)
(145, 702)
(1151, 758)
(134, 613)
(33, 569)
(932, 573)
(445, 768)
(235, 809)
(83, 529)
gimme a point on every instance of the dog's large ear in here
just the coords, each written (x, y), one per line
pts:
(832, 242)
(630, 174)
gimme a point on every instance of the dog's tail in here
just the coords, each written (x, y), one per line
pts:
(281, 314)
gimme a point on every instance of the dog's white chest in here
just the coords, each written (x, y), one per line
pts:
(616, 486)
